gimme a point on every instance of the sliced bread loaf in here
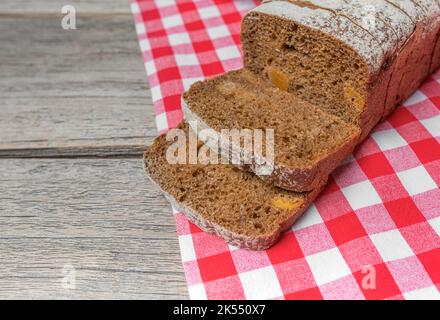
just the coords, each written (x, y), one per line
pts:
(356, 59)
(308, 142)
(219, 198)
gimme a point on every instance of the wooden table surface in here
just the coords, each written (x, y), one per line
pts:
(78, 219)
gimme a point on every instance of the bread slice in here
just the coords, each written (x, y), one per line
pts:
(220, 199)
(308, 142)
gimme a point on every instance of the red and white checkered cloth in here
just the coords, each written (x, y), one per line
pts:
(377, 222)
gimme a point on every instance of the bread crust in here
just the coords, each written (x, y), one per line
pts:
(435, 62)
(413, 62)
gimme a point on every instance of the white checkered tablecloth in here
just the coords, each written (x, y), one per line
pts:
(379, 215)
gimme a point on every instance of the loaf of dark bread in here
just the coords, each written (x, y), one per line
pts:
(356, 59)
(308, 144)
(220, 199)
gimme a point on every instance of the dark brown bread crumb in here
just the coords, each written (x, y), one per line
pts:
(221, 199)
(305, 136)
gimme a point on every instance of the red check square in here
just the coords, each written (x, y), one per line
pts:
(232, 17)
(212, 69)
(186, 6)
(404, 212)
(427, 150)
(285, 250)
(436, 101)
(152, 33)
(168, 74)
(377, 283)
(430, 261)
(400, 117)
(152, 14)
(345, 228)
(162, 52)
(375, 165)
(193, 26)
(203, 46)
(216, 267)
(173, 103)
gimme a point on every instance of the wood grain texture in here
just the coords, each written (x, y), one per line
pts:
(72, 88)
(102, 217)
(76, 115)
(54, 6)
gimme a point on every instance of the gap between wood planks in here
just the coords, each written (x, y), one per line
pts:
(115, 152)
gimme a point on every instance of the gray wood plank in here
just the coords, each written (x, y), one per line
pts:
(54, 6)
(64, 95)
(72, 88)
(100, 216)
